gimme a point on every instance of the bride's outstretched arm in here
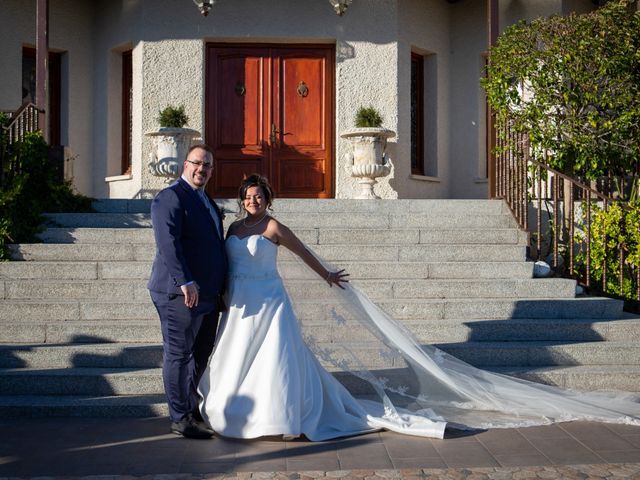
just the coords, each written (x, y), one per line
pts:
(289, 240)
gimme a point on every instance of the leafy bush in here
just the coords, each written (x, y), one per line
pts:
(613, 230)
(33, 190)
(9, 216)
(572, 83)
(173, 117)
(368, 117)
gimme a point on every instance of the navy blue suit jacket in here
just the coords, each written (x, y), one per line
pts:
(189, 246)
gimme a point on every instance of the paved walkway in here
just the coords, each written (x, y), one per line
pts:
(76, 447)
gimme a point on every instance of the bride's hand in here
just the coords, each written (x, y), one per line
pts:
(337, 278)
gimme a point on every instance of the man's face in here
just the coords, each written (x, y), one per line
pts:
(198, 167)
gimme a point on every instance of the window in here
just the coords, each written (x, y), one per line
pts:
(417, 114)
(424, 114)
(127, 119)
(486, 120)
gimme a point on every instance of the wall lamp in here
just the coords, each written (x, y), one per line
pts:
(340, 6)
(204, 6)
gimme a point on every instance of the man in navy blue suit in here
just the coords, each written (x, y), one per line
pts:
(187, 280)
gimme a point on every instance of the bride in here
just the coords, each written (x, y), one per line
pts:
(264, 378)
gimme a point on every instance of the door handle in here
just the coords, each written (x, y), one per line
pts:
(274, 132)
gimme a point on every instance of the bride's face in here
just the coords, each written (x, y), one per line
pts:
(254, 201)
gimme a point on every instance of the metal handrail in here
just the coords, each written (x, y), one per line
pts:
(25, 120)
(524, 183)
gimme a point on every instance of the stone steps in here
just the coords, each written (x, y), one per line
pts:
(284, 205)
(79, 355)
(137, 252)
(512, 330)
(577, 377)
(80, 336)
(315, 236)
(114, 369)
(105, 382)
(81, 381)
(312, 289)
(296, 220)
(38, 406)
(401, 309)
(111, 270)
(428, 332)
(482, 354)
(543, 354)
(499, 309)
(624, 378)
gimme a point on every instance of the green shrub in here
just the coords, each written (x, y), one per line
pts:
(33, 190)
(368, 117)
(572, 84)
(614, 230)
(173, 117)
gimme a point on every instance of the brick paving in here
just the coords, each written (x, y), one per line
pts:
(102, 448)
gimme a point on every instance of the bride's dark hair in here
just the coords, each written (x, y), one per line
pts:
(254, 180)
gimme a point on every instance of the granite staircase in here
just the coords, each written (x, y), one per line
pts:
(80, 336)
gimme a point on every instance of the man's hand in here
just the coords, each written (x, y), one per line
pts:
(190, 295)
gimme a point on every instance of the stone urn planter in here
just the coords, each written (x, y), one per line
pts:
(368, 158)
(171, 147)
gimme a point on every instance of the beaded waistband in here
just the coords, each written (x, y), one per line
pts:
(255, 276)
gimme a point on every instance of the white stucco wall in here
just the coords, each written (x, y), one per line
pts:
(373, 40)
(162, 87)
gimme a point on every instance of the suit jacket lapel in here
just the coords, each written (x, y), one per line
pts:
(217, 209)
(196, 198)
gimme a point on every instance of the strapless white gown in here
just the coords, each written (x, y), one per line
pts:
(262, 379)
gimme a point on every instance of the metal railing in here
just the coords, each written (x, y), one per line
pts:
(23, 121)
(558, 212)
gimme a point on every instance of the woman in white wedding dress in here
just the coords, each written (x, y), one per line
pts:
(263, 379)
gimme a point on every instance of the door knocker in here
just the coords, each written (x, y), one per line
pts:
(303, 90)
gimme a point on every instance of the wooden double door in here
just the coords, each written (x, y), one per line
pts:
(269, 110)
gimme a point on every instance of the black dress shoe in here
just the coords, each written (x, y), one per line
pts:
(189, 428)
(197, 416)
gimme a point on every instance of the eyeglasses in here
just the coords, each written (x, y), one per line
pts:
(204, 165)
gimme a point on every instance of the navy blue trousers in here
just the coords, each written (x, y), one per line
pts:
(188, 337)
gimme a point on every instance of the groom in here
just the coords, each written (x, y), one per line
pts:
(187, 279)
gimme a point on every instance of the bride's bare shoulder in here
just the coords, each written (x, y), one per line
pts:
(272, 230)
(280, 231)
(275, 225)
